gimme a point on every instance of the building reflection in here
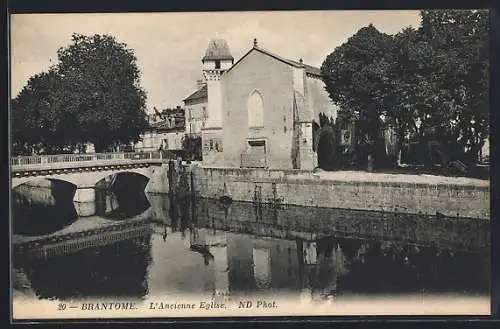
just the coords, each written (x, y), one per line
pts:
(265, 253)
(213, 247)
(209, 248)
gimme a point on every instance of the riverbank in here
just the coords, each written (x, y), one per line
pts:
(402, 193)
(360, 176)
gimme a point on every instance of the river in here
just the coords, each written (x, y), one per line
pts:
(200, 247)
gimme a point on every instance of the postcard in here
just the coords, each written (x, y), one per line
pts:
(260, 163)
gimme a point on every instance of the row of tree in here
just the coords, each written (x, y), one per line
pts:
(429, 84)
(92, 94)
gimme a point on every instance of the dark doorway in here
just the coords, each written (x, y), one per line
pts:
(326, 151)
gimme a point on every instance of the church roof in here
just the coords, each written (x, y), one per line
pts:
(309, 68)
(198, 94)
(217, 49)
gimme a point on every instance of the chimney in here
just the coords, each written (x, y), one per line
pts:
(199, 84)
(255, 42)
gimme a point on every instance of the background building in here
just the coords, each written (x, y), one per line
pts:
(166, 132)
(196, 109)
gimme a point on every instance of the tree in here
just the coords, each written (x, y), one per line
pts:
(461, 41)
(430, 83)
(441, 71)
(102, 90)
(356, 78)
(37, 120)
(92, 94)
(416, 92)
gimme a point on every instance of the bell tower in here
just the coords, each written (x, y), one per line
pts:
(216, 61)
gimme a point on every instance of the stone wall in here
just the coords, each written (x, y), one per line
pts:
(303, 188)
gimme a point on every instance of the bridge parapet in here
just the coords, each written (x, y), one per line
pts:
(61, 161)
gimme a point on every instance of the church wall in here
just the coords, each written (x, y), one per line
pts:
(318, 98)
(298, 80)
(273, 79)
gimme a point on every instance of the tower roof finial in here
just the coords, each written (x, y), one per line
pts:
(255, 42)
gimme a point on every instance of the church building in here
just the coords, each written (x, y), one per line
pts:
(258, 112)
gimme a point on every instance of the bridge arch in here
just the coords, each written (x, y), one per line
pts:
(87, 179)
(117, 177)
(39, 181)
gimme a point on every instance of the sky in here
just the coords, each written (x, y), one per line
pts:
(169, 46)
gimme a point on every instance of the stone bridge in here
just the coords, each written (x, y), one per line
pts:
(84, 170)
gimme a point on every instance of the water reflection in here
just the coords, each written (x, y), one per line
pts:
(43, 209)
(208, 248)
(93, 272)
(48, 206)
(120, 204)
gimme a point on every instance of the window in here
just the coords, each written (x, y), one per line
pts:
(217, 64)
(255, 110)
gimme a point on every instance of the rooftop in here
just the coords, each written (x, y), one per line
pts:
(198, 94)
(312, 70)
(164, 126)
(309, 68)
(218, 49)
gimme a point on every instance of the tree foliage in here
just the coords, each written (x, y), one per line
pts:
(95, 97)
(36, 118)
(429, 83)
(357, 79)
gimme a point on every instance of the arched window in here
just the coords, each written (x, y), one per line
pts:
(255, 107)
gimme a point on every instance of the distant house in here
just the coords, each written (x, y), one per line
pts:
(166, 131)
(196, 109)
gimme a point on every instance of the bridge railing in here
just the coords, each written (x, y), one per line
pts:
(26, 160)
(72, 158)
